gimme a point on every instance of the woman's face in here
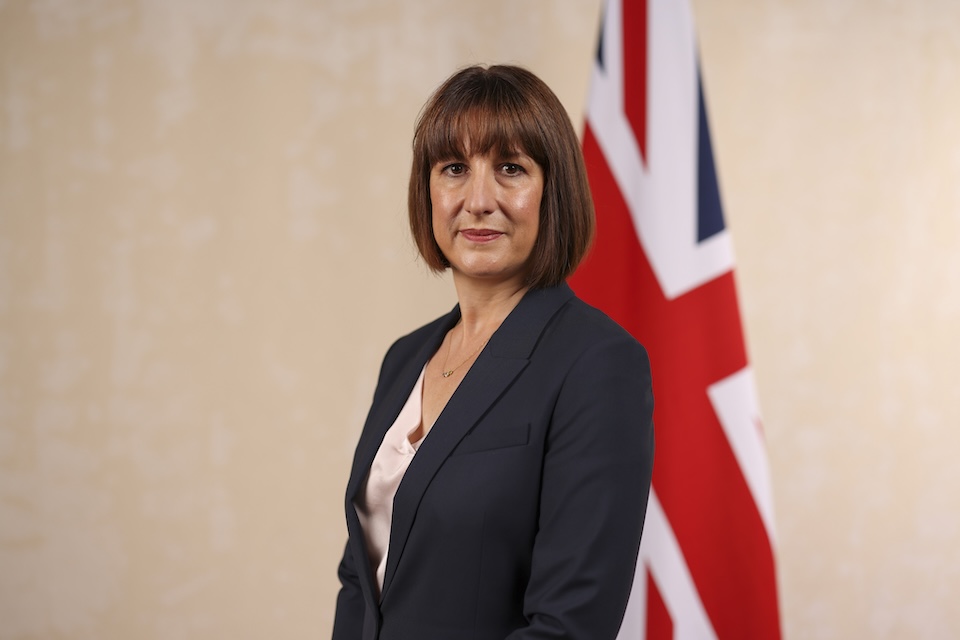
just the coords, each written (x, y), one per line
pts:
(486, 214)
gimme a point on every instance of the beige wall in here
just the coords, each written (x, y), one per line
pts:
(203, 257)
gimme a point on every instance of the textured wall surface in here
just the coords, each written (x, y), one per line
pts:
(203, 256)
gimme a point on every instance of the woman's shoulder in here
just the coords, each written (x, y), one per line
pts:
(583, 347)
(590, 324)
(580, 335)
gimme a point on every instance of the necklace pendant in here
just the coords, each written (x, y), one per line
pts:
(447, 374)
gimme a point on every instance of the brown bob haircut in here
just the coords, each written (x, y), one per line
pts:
(504, 109)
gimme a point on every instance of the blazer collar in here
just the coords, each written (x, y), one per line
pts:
(505, 356)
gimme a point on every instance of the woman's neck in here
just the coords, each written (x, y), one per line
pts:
(484, 306)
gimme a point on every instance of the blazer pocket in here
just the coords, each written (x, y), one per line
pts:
(488, 437)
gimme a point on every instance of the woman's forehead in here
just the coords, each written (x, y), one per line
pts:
(467, 142)
(466, 147)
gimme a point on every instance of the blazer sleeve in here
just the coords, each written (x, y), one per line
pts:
(351, 608)
(596, 480)
(348, 620)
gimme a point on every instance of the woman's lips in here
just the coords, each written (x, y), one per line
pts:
(481, 235)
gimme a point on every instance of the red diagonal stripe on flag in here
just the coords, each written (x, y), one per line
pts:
(659, 623)
(635, 73)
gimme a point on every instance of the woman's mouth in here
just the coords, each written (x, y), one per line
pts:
(480, 235)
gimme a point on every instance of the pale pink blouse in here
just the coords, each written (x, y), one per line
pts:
(375, 503)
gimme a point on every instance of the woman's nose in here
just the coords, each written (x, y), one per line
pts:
(481, 193)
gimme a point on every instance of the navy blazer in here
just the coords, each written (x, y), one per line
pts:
(520, 515)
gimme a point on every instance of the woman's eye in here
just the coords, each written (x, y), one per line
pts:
(455, 168)
(512, 169)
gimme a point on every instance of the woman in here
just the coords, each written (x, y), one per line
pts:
(500, 483)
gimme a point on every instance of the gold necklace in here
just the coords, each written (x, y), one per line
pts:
(449, 372)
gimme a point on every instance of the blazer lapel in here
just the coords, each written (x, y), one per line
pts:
(506, 355)
(389, 408)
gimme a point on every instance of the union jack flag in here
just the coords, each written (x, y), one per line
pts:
(662, 267)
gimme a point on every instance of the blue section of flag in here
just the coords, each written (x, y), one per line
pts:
(709, 210)
(600, 44)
